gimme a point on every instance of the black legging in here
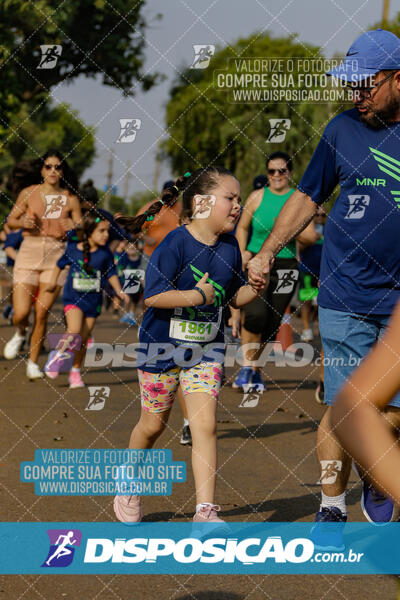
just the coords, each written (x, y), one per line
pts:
(264, 314)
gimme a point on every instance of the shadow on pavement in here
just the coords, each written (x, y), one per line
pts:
(265, 430)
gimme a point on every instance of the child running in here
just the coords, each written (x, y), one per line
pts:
(191, 278)
(91, 265)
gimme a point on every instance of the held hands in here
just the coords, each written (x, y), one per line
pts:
(207, 288)
(258, 270)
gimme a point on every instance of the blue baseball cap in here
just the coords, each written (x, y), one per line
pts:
(373, 51)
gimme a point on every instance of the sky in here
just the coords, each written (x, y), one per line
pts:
(331, 24)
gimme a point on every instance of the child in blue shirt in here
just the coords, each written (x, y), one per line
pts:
(192, 276)
(91, 265)
(130, 268)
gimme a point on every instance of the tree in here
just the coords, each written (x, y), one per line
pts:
(97, 38)
(53, 127)
(206, 127)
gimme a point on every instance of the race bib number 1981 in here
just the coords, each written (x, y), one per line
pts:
(194, 331)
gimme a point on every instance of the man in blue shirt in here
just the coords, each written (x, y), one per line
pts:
(360, 269)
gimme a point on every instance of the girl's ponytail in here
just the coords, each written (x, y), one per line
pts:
(168, 198)
(86, 254)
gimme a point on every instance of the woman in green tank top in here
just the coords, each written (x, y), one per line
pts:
(261, 318)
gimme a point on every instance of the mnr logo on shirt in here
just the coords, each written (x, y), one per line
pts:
(219, 290)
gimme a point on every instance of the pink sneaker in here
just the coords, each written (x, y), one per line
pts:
(208, 514)
(75, 380)
(128, 509)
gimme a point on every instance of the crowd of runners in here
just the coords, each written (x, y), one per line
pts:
(197, 265)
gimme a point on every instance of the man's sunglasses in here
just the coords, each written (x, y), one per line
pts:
(366, 91)
(273, 171)
(56, 167)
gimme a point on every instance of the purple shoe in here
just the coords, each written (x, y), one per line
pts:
(327, 533)
(377, 508)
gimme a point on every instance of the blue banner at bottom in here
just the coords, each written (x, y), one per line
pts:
(226, 548)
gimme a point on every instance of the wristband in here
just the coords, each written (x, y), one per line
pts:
(202, 294)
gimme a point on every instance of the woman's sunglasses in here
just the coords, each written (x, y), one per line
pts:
(273, 171)
(56, 167)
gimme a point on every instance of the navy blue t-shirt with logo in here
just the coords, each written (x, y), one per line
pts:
(178, 263)
(360, 268)
(82, 289)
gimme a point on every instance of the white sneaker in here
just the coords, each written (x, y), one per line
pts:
(33, 371)
(13, 346)
(307, 335)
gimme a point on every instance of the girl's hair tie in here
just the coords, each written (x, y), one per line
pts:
(187, 174)
(97, 220)
(175, 187)
(149, 217)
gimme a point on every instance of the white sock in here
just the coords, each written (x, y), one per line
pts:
(185, 422)
(338, 501)
(75, 370)
(198, 506)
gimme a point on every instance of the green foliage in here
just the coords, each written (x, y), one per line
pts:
(207, 127)
(115, 203)
(53, 127)
(393, 26)
(136, 201)
(99, 39)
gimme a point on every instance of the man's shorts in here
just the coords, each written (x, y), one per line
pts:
(347, 338)
(157, 390)
(36, 259)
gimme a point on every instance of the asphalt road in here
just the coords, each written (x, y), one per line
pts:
(267, 472)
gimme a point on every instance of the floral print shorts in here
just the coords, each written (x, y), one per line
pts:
(158, 390)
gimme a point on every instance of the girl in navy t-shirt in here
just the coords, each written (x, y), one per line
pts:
(192, 276)
(91, 265)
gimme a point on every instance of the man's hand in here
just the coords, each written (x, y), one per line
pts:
(258, 270)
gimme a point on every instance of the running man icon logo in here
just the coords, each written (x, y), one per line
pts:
(251, 396)
(287, 279)
(129, 128)
(50, 56)
(330, 469)
(132, 280)
(54, 205)
(279, 129)
(203, 206)
(62, 346)
(61, 551)
(97, 397)
(357, 206)
(202, 55)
